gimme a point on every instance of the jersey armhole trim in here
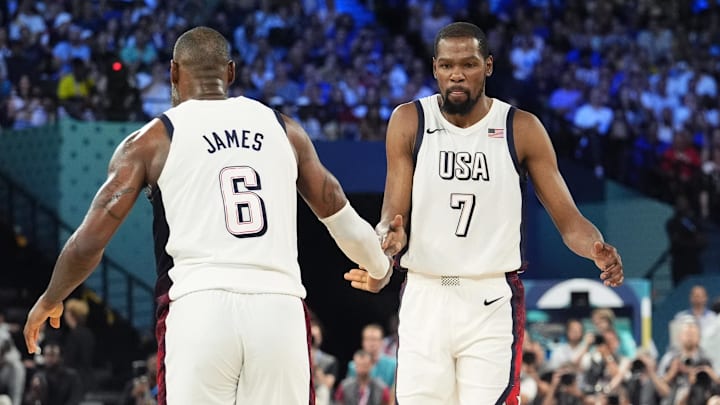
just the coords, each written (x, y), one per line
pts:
(168, 125)
(280, 120)
(511, 142)
(420, 128)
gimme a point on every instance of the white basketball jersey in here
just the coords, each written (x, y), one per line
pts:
(467, 195)
(225, 204)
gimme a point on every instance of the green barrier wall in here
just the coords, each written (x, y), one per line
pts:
(63, 166)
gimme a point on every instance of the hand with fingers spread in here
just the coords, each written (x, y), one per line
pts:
(608, 260)
(361, 280)
(392, 236)
(40, 312)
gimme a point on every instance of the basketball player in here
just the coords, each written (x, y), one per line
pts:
(223, 174)
(461, 159)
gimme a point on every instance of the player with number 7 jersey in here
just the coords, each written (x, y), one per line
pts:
(471, 187)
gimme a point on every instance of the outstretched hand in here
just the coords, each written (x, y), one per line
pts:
(40, 312)
(361, 280)
(393, 237)
(608, 260)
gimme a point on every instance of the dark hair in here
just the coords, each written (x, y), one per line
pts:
(201, 47)
(464, 30)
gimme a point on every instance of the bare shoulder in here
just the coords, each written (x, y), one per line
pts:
(405, 114)
(529, 134)
(402, 129)
(525, 122)
(298, 138)
(148, 146)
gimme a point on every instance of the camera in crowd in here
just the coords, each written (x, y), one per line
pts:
(637, 367)
(529, 358)
(599, 339)
(567, 379)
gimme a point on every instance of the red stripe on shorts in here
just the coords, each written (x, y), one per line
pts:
(511, 395)
(309, 345)
(160, 328)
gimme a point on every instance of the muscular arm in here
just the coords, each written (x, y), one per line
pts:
(135, 163)
(326, 198)
(400, 141)
(539, 157)
(112, 203)
(579, 234)
(318, 187)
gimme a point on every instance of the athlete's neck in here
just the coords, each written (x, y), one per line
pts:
(207, 89)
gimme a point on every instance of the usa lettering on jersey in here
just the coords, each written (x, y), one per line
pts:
(463, 166)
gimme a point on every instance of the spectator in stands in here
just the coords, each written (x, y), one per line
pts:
(603, 367)
(699, 310)
(326, 365)
(382, 366)
(687, 241)
(571, 350)
(74, 91)
(142, 388)
(644, 386)
(56, 384)
(156, 94)
(79, 345)
(12, 372)
(75, 46)
(710, 182)
(594, 120)
(529, 378)
(603, 320)
(678, 362)
(362, 388)
(704, 383)
(680, 166)
(390, 342)
(564, 100)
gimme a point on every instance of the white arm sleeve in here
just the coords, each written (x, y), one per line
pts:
(357, 239)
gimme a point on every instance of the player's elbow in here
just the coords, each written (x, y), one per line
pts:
(83, 249)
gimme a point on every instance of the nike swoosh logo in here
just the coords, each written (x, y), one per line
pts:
(432, 131)
(492, 301)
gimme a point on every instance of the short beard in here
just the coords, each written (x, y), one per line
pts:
(174, 95)
(463, 108)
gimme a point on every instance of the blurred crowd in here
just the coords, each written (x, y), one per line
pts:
(630, 87)
(592, 359)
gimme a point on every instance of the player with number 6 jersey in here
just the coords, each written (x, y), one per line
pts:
(223, 175)
(236, 175)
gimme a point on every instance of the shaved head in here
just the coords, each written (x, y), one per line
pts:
(201, 67)
(201, 48)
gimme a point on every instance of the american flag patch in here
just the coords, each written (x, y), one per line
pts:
(496, 132)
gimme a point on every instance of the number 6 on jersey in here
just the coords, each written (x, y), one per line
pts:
(244, 210)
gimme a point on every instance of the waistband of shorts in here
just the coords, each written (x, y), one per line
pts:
(451, 279)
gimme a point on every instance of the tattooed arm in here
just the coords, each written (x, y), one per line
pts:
(323, 193)
(127, 175)
(315, 183)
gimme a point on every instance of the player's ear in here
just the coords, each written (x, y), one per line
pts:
(174, 73)
(489, 66)
(434, 69)
(230, 72)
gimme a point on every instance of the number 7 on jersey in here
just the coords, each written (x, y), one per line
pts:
(466, 204)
